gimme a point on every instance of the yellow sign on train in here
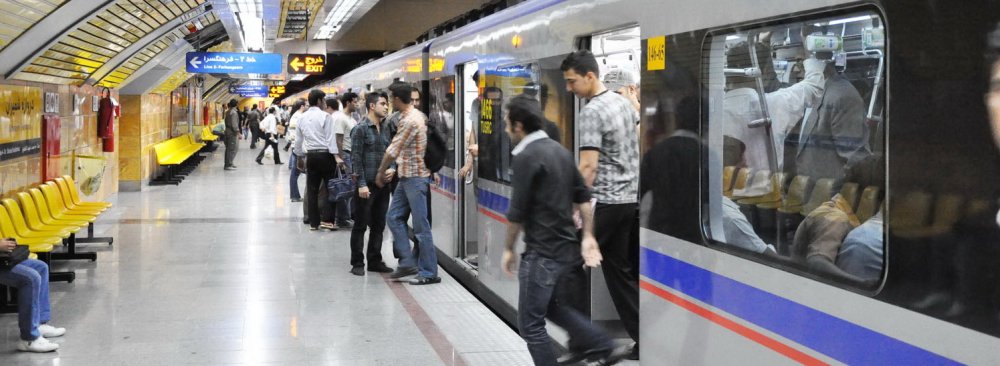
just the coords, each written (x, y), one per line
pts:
(656, 53)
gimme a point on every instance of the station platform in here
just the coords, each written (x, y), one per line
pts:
(221, 270)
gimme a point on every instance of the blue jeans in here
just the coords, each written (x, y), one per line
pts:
(540, 280)
(410, 199)
(31, 279)
(293, 179)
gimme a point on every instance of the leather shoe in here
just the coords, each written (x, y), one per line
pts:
(380, 268)
(403, 272)
(258, 162)
(615, 356)
(633, 354)
(420, 280)
(358, 271)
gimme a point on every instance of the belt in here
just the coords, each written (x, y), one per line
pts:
(318, 151)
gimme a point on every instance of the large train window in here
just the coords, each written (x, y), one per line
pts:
(794, 130)
(540, 80)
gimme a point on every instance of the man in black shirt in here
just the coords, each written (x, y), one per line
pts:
(542, 205)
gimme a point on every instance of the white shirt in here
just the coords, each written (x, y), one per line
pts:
(269, 124)
(531, 137)
(342, 125)
(738, 230)
(315, 132)
(293, 124)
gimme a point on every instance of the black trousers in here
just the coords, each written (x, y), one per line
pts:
(369, 215)
(231, 146)
(273, 144)
(320, 167)
(613, 225)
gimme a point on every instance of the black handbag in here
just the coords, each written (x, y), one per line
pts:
(11, 259)
(341, 187)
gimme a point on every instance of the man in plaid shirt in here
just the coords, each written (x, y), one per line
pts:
(407, 150)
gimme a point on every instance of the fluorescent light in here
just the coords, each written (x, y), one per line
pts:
(336, 17)
(850, 20)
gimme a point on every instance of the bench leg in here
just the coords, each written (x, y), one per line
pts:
(71, 252)
(68, 276)
(95, 239)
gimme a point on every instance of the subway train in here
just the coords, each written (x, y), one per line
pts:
(841, 204)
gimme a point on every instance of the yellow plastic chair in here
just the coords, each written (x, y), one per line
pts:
(821, 193)
(57, 202)
(42, 244)
(49, 206)
(742, 176)
(910, 210)
(770, 197)
(32, 217)
(68, 198)
(793, 198)
(75, 194)
(727, 178)
(31, 204)
(849, 191)
(21, 227)
(868, 204)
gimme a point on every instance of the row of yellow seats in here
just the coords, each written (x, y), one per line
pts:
(44, 216)
(800, 197)
(176, 150)
(207, 135)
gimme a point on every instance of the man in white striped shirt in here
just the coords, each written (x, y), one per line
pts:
(316, 141)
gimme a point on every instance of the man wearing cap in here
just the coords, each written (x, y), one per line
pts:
(624, 82)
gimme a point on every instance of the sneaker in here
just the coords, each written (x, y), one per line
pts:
(358, 271)
(313, 228)
(230, 168)
(380, 268)
(328, 226)
(49, 331)
(403, 272)
(39, 345)
(296, 200)
(420, 280)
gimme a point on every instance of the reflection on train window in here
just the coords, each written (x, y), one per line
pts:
(540, 80)
(794, 139)
(442, 109)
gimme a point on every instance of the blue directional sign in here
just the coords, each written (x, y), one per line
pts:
(254, 94)
(233, 63)
(249, 89)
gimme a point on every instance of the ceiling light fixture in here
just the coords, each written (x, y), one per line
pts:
(336, 17)
(249, 14)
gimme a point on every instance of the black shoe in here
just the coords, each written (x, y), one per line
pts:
(403, 272)
(358, 271)
(615, 356)
(346, 224)
(278, 163)
(380, 268)
(258, 162)
(420, 280)
(633, 353)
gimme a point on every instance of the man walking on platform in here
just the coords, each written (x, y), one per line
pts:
(232, 133)
(371, 202)
(315, 141)
(269, 130)
(407, 150)
(609, 163)
(546, 188)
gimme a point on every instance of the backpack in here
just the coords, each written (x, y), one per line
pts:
(437, 149)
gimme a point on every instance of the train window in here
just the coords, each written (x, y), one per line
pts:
(540, 80)
(442, 113)
(794, 134)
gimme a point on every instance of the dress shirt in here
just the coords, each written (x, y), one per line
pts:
(269, 124)
(315, 132)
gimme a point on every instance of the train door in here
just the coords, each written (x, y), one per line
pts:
(618, 54)
(467, 110)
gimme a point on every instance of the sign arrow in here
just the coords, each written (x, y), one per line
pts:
(296, 64)
(195, 63)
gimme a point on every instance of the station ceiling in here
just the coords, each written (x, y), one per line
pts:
(139, 45)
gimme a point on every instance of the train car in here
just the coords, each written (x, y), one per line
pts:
(806, 229)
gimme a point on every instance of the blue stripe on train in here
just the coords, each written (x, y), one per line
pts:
(837, 338)
(492, 201)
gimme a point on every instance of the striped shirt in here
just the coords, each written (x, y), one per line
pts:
(607, 124)
(409, 144)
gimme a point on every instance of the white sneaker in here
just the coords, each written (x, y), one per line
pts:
(49, 331)
(39, 345)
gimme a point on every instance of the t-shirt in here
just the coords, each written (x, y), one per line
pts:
(342, 125)
(861, 253)
(607, 124)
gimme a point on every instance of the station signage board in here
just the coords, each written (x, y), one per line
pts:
(233, 63)
(303, 63)
(248, 89)
(276, 91)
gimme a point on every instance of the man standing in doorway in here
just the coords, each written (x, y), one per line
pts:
(609, 163)
(315, 140)
(370, 139)
(546, 188)
(232, 133)
(407, 150)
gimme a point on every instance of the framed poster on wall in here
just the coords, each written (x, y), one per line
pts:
(51, 102)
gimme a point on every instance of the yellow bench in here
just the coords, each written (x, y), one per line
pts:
(173, 153)
(207, 135)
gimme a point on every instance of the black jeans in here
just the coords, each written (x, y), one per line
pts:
(268, 142)
(540, 279)
(370, 215)
(613, 225)
(319, 169)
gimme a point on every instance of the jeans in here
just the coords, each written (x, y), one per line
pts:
(370, 215)
(613, 227)
(293, 178)
(540, 279)
(411, 198)
(31, 279)
(320, 169)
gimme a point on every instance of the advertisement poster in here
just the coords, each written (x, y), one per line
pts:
(20, 116)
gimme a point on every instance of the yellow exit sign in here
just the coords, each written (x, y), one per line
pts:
(303, 63)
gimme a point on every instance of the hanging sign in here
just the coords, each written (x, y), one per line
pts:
(302, 63)
(276, 91)
(233, 63)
